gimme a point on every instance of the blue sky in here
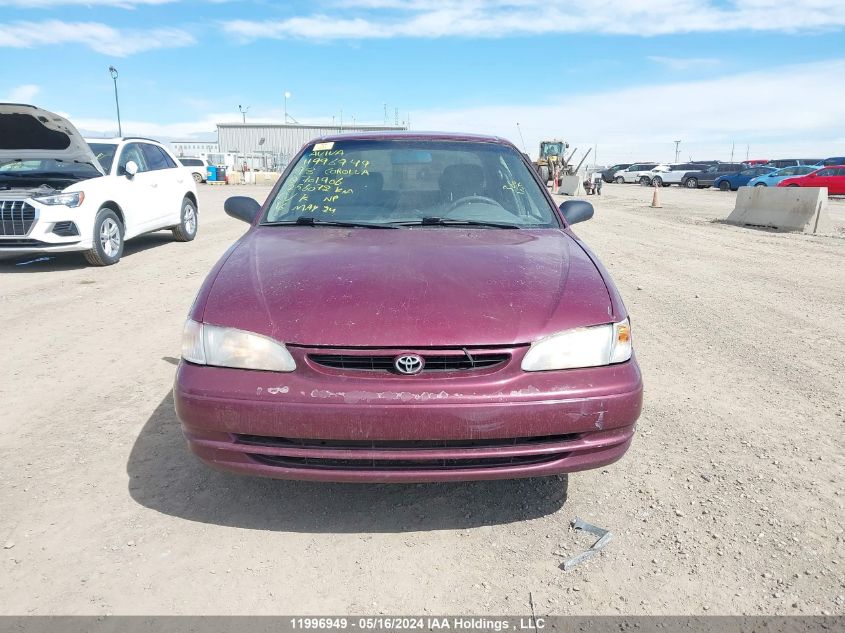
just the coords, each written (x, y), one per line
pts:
(627, 76)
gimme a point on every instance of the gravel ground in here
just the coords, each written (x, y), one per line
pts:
(729, 502)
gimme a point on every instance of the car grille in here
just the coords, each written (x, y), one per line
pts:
(318, 463)
(275, 442)
(459, 361)
(24, 243)
(16, 217)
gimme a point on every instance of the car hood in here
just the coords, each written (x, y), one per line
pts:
(406, 287)
(30, 133)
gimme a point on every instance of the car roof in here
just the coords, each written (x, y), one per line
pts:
(413, 136)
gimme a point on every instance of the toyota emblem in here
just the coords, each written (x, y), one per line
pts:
(409, 364)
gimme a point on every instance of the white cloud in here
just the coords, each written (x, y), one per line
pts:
(95, 35)
(778, 111)
(22, 94)
(684, 63)
(380, 19)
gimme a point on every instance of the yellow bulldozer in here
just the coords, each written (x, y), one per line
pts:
(552, 159)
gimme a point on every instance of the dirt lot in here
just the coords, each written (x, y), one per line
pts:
(730, 500)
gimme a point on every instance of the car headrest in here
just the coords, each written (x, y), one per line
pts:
(459, 181)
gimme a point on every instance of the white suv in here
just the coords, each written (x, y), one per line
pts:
(634, 172)
(61, 193)
(663, 175)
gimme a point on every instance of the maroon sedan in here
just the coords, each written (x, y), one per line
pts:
(408, 307)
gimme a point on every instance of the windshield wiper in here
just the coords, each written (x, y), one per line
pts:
(307, 220)
(434, 221)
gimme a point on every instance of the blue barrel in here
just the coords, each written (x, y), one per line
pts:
(212, 173)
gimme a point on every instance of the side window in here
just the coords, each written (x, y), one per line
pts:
(156, 158)
(825, 172)
(132, 152)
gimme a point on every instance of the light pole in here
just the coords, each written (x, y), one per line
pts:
(243, 111)
(113, 73)
(287, 96)
(677, 150)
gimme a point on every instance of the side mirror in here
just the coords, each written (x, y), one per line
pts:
(576, 211)
(242, 208)
(131, 169)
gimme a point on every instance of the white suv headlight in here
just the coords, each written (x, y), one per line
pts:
(206, 344)
(65, 199)
(581, 347)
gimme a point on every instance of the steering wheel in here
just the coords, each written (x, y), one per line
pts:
(469, 199)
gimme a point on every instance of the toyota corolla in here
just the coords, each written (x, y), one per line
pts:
(408, 307)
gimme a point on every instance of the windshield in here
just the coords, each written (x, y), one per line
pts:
(46, 168)
(105, 154)
(551, 149)
(385, 182)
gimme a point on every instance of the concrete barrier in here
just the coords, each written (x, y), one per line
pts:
(266, 177)
(571, 186)
(783, 208)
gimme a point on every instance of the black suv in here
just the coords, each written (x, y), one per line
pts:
(706, 177)
(607, 174)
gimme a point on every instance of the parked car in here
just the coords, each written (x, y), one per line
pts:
(757, 161)
(198, 168)
(772, 178)
(834, 160)
(832, 177)
(429, 317)
(732, 182)
(608, 174)
(706, 177)
(59, 193)
(673, 175)
(792, 162)
(633, 173)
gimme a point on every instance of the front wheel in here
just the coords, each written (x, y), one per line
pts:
(793, 185)
(724, 186)
(108, 240)
(620, 180)
(691, 183)
(197, 178)
(544, 174)
(760, 184)
(645, 181)
(186, 230)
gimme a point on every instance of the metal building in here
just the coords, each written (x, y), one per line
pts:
(273, 145)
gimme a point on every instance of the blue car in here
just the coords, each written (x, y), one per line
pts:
(732, 182)
(773, 178)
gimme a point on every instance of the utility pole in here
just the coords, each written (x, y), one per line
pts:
(113, 73)
(747, 151)
(243, 111)
(733, 145)
(677, 150)
(385, 115)
(287, 96)
(396, 117)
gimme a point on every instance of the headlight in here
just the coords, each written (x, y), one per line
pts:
(582, 347)
(206, 344)
(66, 199)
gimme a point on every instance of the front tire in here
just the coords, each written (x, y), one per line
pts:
(620, 180)
(544, 174)
(760, 184)
(197, 178)
(724, 186)
(691, 183)
(108, 239)
(658, 181)
(793, 185)
(186, 230)
(645, 181)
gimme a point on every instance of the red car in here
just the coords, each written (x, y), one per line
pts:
(832, 177)
(406, 308)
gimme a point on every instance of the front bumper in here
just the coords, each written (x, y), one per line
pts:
(38, 236)
(408, 429)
